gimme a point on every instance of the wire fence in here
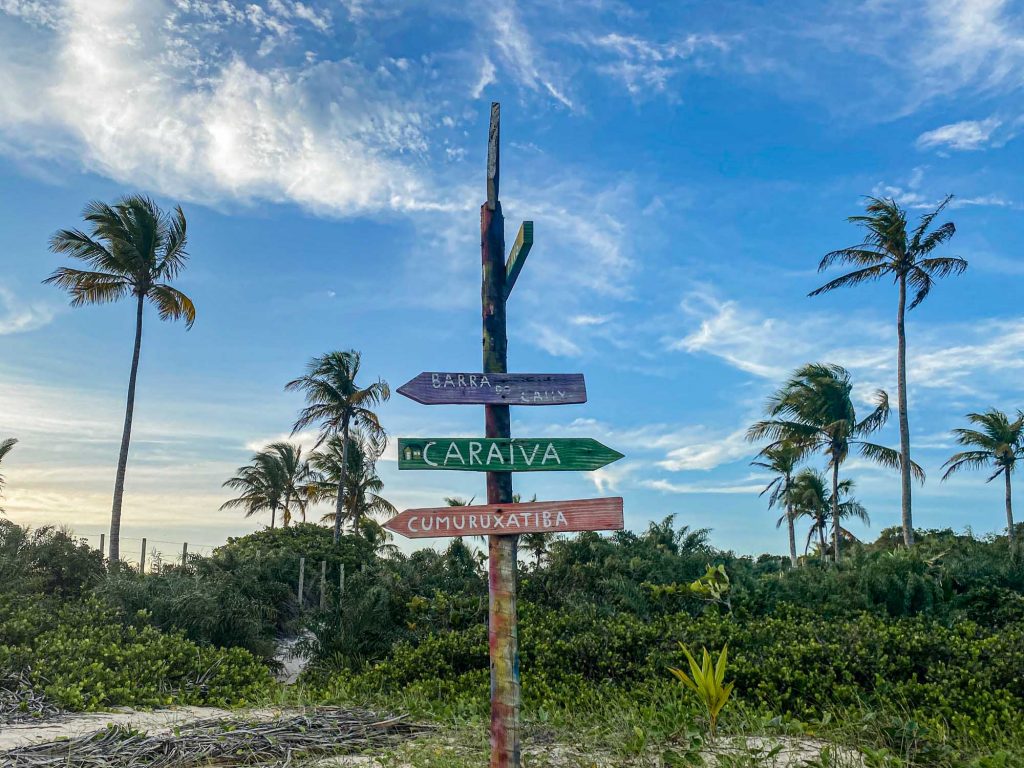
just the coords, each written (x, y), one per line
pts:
(156, 553)
(314, 582)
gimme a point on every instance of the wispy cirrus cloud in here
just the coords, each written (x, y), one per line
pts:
(19, 316)
(965, 135)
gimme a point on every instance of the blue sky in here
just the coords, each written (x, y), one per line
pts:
(686, 165)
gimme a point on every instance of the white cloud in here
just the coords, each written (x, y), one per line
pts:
(120, 95)
(554, 342)
(644, 66)
(707, 450)
(520, 55)
(17, 316)
(965, 135)
(590, 320)
(971, 358)
(668, 486)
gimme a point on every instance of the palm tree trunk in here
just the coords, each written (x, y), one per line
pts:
(1009, 506)
(126, 438)
(340, 504)
(286, 516)
(273, 517)
(791, 524)
(835, 508)
(901, 390)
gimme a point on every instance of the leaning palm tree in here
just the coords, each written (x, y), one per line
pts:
(362, 484)
(133, 248)
(297, 475)
(781, 460)
(812, 498)
(889, 250)
(814, 411)
(5, 448)
(336, 403)
(263, 484)
(998, 443)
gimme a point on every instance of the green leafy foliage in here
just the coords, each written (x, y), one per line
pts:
(707, 680)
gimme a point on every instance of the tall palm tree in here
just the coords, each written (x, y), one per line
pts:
(811, 497)
(888, 250)
(781, 459)
(297, 475)
(361, 482)
(5, 448)
(336, 403)
(814, 411)
(998, 443)
(378, 537)
(263, 484)
(133, 248)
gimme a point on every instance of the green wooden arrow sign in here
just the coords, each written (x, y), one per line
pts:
(504, 454)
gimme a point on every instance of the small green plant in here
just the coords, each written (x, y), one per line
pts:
(713, 586)
(708, 682)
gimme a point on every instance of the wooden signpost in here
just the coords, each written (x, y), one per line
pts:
(531, 517)
(448, 388)
(499, 455)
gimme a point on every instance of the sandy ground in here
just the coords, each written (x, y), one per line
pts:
(155, 721)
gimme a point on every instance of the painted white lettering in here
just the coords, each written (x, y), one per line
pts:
(560, 519)
(526, 518)
(484, 381)
(472, 521)
(550, 452)
(513, 520)
(435, 380)
(495, 451)
(547, 519)
(448, 381)
(428, 523)
(499, 522)
(472, 380)
(474, 452)
(532, 456)
(459, 521)
(427, 448)
(462, 380)
(453, 453)
(412, 524)
(443, 519)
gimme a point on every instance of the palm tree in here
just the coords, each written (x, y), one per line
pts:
(263, 484)
(361, 482)
(782, 460)
(811, 497)
(297, 476)
(378, 537)
(5, 448)
(814, 411)
(133, 248)
(999, 443)
(889, 250)
(337, 404)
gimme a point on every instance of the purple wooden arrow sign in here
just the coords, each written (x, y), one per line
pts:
(448, 388)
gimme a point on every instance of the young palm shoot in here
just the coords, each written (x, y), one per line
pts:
(707, 680)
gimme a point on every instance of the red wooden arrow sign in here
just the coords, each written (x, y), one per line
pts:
(449, 388)
(510, 519)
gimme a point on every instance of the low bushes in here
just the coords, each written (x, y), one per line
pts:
(84, 656)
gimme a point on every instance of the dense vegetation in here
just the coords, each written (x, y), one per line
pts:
(926, 645)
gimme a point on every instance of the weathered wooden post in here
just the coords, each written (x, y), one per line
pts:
(184, 554)
(103, 539)
(302, 577)
(499, 455)
(142, 557)
(502, 632)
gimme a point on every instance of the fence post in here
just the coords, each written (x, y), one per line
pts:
(142, 557)
(184, 554)
(323, 584)
(302, 577)
(103, 540)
